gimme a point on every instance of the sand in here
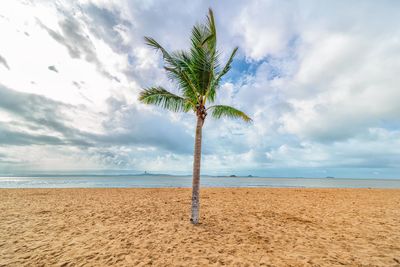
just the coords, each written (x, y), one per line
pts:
(240, 227)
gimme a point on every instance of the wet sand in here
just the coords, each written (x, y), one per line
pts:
(239, 227)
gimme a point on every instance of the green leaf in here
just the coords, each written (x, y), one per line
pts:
(219, 111)
(211, 40)
(227, 66)
(212, 90)
(182, 75)
(201, 58)
(177, 67)
(161, 97)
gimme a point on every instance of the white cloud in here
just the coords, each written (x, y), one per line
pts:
(265, 27)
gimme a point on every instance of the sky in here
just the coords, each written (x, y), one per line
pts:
(319, 78)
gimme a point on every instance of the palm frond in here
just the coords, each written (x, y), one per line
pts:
(176, 67)
(161, 97)
(183, 75)
(200, 58)
(211, 40)
(215, 82)
(204, 55)
(227, 66)
(167, 57)
(219, 111)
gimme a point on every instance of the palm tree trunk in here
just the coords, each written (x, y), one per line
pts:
(196, 172)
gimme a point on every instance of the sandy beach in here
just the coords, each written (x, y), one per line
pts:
(239, 227)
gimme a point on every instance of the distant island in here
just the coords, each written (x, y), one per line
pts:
(233, 175)
(153, 174)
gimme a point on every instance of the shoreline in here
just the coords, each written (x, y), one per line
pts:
(204, 187)
(186, 182)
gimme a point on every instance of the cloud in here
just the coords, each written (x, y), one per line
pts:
(77, 42)
(53, 68)
(377, 148)
(42, 121)
(10, 137)
(36, 113)
(133, 126)
(3, 61)
(108, 26)
(262, 35)
(345, 84)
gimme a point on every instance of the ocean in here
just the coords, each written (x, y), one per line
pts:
(158, 181)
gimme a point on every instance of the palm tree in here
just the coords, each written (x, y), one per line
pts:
(198, 75)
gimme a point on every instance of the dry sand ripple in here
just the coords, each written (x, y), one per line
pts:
(240, 227)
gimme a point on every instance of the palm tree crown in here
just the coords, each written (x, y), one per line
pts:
(197, 73)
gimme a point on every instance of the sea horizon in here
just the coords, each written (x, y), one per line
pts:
(110, 173)
(184, 181)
